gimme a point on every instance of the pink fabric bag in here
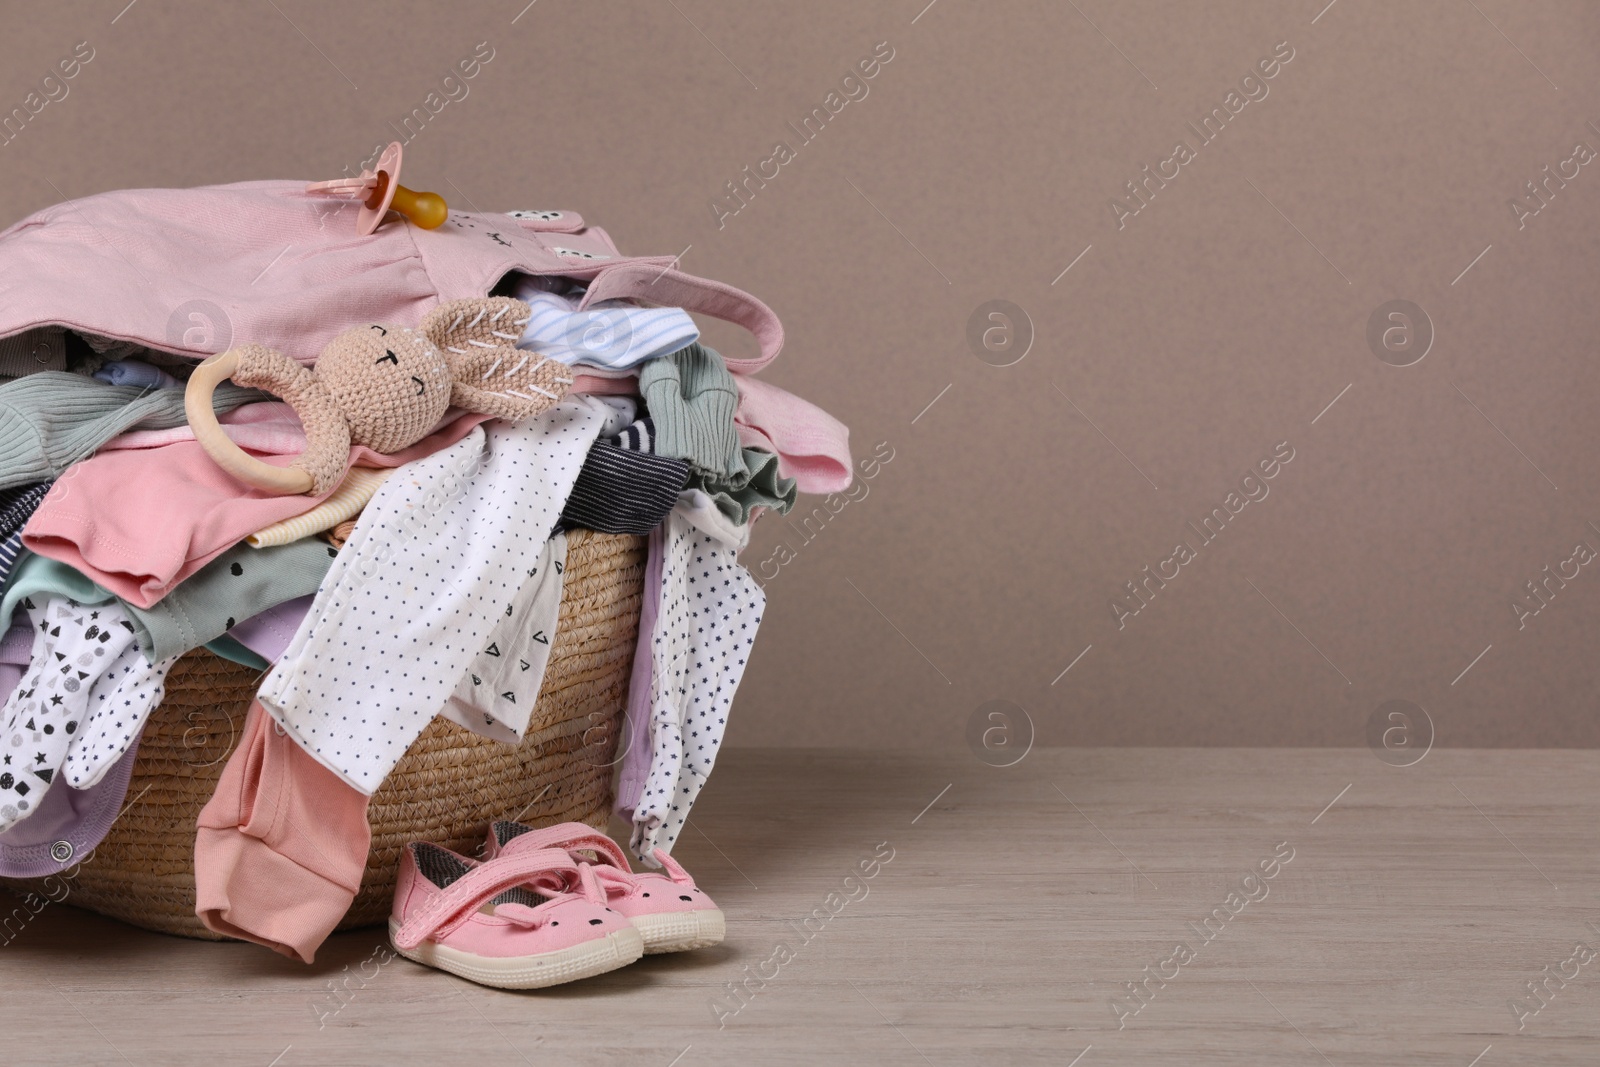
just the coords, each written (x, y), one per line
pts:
(196, 271)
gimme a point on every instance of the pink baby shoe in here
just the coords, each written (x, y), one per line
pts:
(667, 909)
(514, 922)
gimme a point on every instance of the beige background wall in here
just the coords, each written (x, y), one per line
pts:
(1192, 339)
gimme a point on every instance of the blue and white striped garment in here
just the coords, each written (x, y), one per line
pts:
(613, 334)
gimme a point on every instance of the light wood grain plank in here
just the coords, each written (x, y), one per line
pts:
(1016, 907)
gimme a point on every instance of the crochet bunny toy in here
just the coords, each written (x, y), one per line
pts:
(381, 386)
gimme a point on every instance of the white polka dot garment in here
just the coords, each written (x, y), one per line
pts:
(710, 609)
(436, 558)
(86, 695)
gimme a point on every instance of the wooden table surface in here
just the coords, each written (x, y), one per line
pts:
(1359, 913)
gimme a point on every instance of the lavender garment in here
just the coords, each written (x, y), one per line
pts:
(68, 822)
(16, 648)
(269, 633)
(614, 334)
(636, 724)
(16, 645)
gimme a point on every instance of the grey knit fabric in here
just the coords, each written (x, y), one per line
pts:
(37, 350)
(691, 396)
(51, 420)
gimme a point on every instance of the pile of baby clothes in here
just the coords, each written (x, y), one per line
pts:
(426, 583)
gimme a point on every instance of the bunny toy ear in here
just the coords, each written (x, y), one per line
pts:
(491, 375)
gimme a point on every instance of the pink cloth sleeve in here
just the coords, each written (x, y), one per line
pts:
(812, 446)
(597, 384)
(270, 427)
(138, 522)
(280, 847)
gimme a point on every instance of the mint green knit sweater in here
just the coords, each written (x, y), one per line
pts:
(51, 420)
(692, 396)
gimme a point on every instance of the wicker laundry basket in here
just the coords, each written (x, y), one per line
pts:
(447, 789)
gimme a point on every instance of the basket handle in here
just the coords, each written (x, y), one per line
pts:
(674, 288)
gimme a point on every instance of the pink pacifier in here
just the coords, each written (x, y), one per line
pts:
(379, 190)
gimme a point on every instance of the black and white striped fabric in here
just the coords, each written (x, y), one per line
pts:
(637, 437)
(10, 549)
(17, 506)
(623, 491)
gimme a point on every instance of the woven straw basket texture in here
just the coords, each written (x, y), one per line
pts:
(447, 789)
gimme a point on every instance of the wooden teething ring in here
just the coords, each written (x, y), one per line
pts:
(284, 481)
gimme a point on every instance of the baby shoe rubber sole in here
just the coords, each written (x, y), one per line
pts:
(616, 949)
(680, 931)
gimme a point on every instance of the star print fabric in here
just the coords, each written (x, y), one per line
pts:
(706, 624)
(84, 698)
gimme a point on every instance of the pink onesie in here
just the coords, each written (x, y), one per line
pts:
(140, 521)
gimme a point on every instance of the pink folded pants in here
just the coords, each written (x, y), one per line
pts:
(281, 845)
